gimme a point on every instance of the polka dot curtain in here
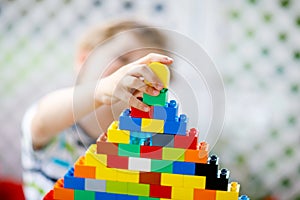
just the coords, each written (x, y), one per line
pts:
(258, 53)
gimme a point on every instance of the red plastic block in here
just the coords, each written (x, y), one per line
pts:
(185, 142)
(154, 152)
(141, 114)
(119, 162)
(49, 195)
(152, 178)
(204, 194)
(159, 191)
(107, 148)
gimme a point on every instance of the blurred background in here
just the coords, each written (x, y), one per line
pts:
(254, 43)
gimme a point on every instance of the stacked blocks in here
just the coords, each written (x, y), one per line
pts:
(148, 156)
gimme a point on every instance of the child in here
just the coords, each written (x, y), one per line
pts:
(51, 142)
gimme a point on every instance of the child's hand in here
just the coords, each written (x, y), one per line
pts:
(121, 85)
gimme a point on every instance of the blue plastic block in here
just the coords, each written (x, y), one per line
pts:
(168, 112)
(187, 168)
(126, 122)
(244, 197)
(126, 197)
(74, 182)
(104, 195)
(176, 127)
(141, 138)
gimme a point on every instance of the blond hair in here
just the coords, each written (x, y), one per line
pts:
(99, 34)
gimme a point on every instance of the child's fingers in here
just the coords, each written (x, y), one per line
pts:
(132, 82)
(155, 57)
(144, 71)
(103, 137)
(125, 95)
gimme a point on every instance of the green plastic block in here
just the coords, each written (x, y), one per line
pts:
(161, 166)
(138, 189)
(148, 198)
(175, 154)
(116, 187)
(83, 194)
(159, 100)
(130, 150)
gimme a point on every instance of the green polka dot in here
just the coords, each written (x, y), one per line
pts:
(240, 159)
(297, 55)
(280, 70)
(285, 3)
(252, 1)
(265, 51)
(286, 182)
(282, 37)
(247, 66)
(234, 14)
(289, 151)
(271, 164)
(291, 120)
(232, 47)
(250, 33)
(297, 21)
(295, 88)
(274, 133)
(267, 17)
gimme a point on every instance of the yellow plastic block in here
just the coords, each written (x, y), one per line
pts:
(106, 174)
(124, 175)
(171, 180)
(93, 159)
(152, 125)
(224, 195)
(115, 135)
(162, 72)
(179, 193)
(194, 181)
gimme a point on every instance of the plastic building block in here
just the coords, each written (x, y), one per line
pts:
(168, 112)
(139, 164)
(95, 185)
(222, 181)
(97, 160)
(203, 151)
(159, 100)
(141, 138)
(126, 122)
(182, 193)
(84, 171)
(62, 193)
(187, 168)
(116, 187)
(106, 173)
(244, 197)
(104, 195)
(127, 197)
(194, 182)
(72, 182)
(154, 152)
(128, 176)
(136, 113)
(152, 178)
(165, 166)
(178, 126)
(130, 150)
(116, 135)
(160, 191)
(185, 142)
(138, 189)
(162, 72)
(205, 194)
(84, 194)
(234, 187)
(148, 198)
(119, 162)
(221, 195)
(174, 180)
(175, 154)
(152, 125)
(193, 156)
(107, 148)
(163, 140)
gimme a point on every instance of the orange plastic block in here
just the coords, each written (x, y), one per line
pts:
(84, 171)
(192, 155)
(204, 194)
(62, 193)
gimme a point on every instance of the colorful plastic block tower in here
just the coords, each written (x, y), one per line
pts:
(148, 156)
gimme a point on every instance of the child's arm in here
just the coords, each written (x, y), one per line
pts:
(55, 111)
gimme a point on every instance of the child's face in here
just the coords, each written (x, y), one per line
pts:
(115, 53)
